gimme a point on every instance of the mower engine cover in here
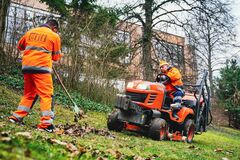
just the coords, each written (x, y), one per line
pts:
(149, 95)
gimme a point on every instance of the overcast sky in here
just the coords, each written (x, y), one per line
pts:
(235, 4)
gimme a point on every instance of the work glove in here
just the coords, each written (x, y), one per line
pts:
(163, 78)
(158, 79)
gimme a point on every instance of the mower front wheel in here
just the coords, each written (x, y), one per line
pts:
(158, 129)
(113, 123)
(189, 130)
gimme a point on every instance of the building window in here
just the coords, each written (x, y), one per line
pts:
(22, 18)
(122, 37)
(170, 52)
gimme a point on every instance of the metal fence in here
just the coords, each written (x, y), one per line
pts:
(20, 19)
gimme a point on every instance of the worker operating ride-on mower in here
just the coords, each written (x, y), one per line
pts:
(146, 107)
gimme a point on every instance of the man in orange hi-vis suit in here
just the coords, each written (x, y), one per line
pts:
(40, 46)
(175, 86)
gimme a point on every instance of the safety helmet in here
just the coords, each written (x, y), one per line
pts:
(162, 62)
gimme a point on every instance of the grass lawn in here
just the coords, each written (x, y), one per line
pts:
(26, 142)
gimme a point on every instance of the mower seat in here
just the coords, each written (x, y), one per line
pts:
(189, 103)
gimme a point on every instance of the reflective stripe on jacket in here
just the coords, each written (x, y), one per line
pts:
(40, 45)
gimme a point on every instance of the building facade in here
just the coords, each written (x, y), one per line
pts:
(165, 46)
(25, 14)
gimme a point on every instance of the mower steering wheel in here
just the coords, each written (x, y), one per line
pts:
(162, 78)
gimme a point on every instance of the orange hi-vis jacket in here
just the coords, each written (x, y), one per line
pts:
(40, 45)
(175, 77)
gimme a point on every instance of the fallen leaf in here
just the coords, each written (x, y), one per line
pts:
(2, 125)
(24, 134)
(59, 131)
(58, 142)
(5, 139)
(224, 158)
(4, 134)
(191, 147)
(82, 130)
(116, 153)
(155, 156)
(95, 153)
(218, 150)
(71, 147)
(101, 158)
(138, 158)
(82, 150)
(27, 153)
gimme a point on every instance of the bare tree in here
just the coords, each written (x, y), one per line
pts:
(160, 14)
(211, 33)
(4, 4)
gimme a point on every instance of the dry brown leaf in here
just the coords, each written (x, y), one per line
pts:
(82, 130)
(2, 125)
(191, 147)
(58, 142)
(5, 134)
(59, 131)
(82, 150)
(24, 134)
(5, 139)
(111, 151)
(27, 153)
(218, 150)
(71, 147)
(138, 158)
(116, 153)
(101, 158)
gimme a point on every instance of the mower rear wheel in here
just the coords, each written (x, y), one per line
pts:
(189, 130)
(158, 129)
(113, 123)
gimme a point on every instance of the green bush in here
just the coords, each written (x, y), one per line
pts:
(84, 103)
(234, 114)
(228, 91)
(12, 78)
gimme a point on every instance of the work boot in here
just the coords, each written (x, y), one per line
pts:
(174, 114)
(175, 108)
(49, 129)
(14, 120)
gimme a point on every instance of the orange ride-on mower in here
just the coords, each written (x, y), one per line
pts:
(145, 107)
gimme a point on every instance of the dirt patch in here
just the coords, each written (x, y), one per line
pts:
(82, 130)
(220, 116)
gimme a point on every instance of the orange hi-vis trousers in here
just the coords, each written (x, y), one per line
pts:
(41, 85)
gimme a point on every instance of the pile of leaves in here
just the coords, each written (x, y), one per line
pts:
(82, 130)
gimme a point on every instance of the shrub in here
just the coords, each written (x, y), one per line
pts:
(229, 91)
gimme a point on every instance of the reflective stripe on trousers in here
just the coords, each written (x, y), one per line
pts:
(41, 85)
(48, 114)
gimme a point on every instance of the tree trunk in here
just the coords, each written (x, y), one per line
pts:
(210, 69)
(4, 4)
(147, 37)
(211, 83)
